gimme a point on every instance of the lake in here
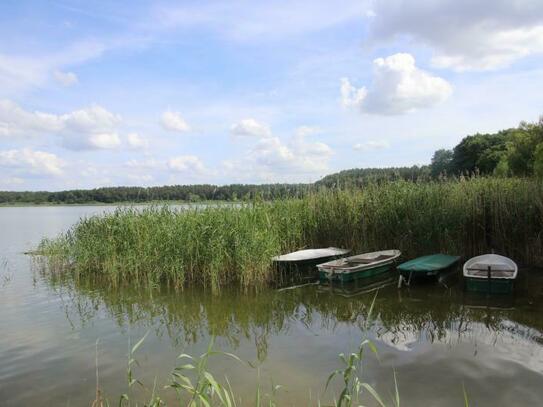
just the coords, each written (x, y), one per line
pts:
(436, 338)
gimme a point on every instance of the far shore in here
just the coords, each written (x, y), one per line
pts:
(119, 203)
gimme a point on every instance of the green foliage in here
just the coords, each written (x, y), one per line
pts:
(196, 386)
(225, 245)
(351, 373)
(502, 168)
(478, 153)
(520, 152)
(538, 161)
(204, 389)
(187, 193)
(193, 383)
(466, 400)
(508, 152)
(522, 147)
(441, 162)
(360, 177)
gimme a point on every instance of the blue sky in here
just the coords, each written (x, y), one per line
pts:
(149, 93)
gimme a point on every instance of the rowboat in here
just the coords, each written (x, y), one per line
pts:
(425, 266)
(490, 273)
(311, 255)
(299, 267)
(357, 267)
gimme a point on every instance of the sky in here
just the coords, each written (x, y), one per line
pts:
(101, 93)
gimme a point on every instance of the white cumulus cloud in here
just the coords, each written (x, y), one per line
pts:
(65, 78)
(140, 178)
(188, 164)
(465, 34)
(251, 128)
(92, 119)
(148, 164)
(104, 141)
(274, 160)
(372, 145)
(173, 121)
(31, 162)
(136, 141)
(15, 121)
(88, 128)
(398, 87)
(351, 96)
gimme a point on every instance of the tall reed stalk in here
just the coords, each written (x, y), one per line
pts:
(218, 246)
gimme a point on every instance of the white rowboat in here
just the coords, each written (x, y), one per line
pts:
(490, 273)
(308, 255)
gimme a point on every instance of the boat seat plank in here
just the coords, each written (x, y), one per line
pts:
(368, 260)
(493, 273)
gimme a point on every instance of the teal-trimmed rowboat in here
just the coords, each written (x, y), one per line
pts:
(426, 266)
(491, 274)
(358, 267)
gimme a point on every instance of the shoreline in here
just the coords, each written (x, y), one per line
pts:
(119, 203)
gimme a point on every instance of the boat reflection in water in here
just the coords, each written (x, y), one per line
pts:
(420, 331)
(187, 316)
(358, 287)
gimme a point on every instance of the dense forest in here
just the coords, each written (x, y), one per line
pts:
(512, 152)
(515, 152)
(357, 177)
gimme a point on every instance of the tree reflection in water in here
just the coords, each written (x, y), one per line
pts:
(402, 318)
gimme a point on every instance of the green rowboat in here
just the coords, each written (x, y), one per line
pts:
(426, 266)
(358, 267)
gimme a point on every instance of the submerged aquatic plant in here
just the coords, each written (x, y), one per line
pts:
(193, 383)
(353, 386)
(196, 386)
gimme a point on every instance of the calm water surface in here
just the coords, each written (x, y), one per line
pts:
(435, 337)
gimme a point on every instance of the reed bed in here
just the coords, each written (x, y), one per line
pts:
(218, 246)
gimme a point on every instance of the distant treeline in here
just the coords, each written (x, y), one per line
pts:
(190, 193)
(206, 192)
(359, 177)
(515, 152)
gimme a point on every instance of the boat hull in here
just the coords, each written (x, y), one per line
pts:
(494, 286)
(311, 255)
(490, 274)
(300, 267)
(427, 267)
(344, 277)
(421, 274)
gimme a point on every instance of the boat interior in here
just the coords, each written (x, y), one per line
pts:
(479, 272)
(497, 270)
(368, 260)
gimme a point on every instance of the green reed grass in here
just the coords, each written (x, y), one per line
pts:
(218, 246)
